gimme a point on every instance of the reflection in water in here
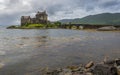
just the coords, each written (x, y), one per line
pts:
(34, 49)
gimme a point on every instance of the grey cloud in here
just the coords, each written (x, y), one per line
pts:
(9, 19)
(90, 8)
(110, 4)
(56, 9)
(68, 12)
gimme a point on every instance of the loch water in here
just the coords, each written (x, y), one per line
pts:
(24, 51)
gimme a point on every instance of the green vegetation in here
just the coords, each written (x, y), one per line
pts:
(53, 25)
(36, 26)
(13, 27)
(31, 26)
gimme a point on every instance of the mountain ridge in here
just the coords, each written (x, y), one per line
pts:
(102, 18)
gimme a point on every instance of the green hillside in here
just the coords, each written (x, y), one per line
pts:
(104, 18)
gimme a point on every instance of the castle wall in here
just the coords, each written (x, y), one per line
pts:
(25, 20)
(41, 17)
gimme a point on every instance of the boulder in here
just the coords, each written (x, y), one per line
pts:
(89, 73)
(66, 72)
(74, 68)
(118, 70)
(89, 65)
(117, 61)
(103, 69)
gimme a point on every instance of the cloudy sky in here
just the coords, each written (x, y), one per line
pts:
(12, 10)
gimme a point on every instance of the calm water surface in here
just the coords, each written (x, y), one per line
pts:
(25, 51)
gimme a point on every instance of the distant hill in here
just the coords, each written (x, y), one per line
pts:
(104, 18)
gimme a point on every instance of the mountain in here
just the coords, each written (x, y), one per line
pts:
(104, 18)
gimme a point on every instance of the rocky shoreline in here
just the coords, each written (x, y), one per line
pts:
(109, 67)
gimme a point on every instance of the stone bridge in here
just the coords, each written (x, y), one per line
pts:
(84, 26)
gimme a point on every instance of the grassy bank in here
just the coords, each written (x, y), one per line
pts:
(36, 26)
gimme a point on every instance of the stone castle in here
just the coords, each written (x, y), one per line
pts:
(40, 17)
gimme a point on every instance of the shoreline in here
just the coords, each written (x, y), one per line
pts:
(90, 68)
(88, 29)
(67, 29)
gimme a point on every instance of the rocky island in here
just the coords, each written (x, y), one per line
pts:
(40, 21)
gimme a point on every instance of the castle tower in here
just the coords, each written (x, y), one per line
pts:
(42, 16)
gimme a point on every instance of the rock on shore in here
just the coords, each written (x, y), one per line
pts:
(106, 68)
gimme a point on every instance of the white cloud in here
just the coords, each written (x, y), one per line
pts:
(1, 1)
